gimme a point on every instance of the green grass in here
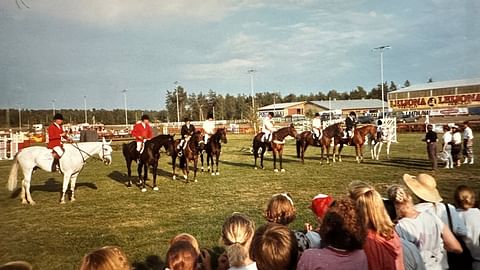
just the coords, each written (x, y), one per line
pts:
(53, 236)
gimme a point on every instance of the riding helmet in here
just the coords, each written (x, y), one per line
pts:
(145, 117)
(58, 116)
(317, 114)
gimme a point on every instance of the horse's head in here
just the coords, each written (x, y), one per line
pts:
(197, 141)
(338, 130)
(292, 131)
(223, 134)
(169, 146)
(106, 153)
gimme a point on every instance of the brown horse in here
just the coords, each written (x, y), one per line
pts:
(214, 148)
(305, 139)
(191, 152)
(361, 135)
(276, 145)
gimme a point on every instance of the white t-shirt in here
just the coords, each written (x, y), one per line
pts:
(208, 126)
(425, 231)
(316, 123)
(457, 138)
(440, 211)
(267, 125)
(447, 137)
(252, 266)
(472, 221)
(467, 133)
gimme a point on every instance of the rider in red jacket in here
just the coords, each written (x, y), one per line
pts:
(55, 136)
(142, 132)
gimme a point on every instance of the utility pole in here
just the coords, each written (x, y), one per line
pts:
(85, 108)
(124, 91)
(382, 49)
(178, 108)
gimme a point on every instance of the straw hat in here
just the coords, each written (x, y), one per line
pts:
(424, 186)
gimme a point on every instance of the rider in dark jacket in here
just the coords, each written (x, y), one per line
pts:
(350, 124)
(187, 130)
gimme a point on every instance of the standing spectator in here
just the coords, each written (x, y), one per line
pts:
(382, 244)
(456, 145)
(467, 143)
(106, 258)
(343, 238)
(237, 234)
(465, 202)
(274, 247)
(431, 140)
(447, 147)
(424, 229)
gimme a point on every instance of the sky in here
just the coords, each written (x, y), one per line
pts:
(64, 50)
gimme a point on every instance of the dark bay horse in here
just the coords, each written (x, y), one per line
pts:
(149, 157)
(305, 139)
(214, 148)
(361, 135)
(276, 145)
(193, 148)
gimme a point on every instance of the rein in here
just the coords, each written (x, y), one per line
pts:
(84, 152)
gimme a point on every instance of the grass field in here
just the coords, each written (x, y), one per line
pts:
(53, 236)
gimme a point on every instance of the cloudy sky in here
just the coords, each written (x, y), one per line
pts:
(66, 49)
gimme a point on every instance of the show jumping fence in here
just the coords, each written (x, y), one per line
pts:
(10, 144)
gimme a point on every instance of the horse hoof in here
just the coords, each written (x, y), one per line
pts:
(213, 174)
(174, 177)
(217, 173)
(282, 170)
(185, 177)
(155, 189)
(276, 170)
(73, 199)
(255, 168)
(144, 190)
(32, 202)
(62, 202)
(24, 201)
(195, 181)
(128, 184)
(202, 169)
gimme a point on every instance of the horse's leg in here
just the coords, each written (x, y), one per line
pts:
(304, 148)
(195, 164)
(66, 179)
(274, 153)
(174, 159)
(73, 182)
(154, 171)
(340, 152)
(145, 175)
(139, 171)
(255, 156)
(217, 157)
(280, 156)
(25, 194)
(185, 169)
(388, 149)
(201, 159)
(262, 155)
(333, 152)
(129, 172)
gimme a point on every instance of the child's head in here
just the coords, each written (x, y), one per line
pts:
(274, 246)
(106, 258)
(464, 197)
(341, 227)
(237, 234)
(187, 238)
(280, 209)
(181, 256)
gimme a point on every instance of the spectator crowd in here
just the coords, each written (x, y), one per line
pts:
(359, 230)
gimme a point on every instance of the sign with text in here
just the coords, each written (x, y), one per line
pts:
(423, 103)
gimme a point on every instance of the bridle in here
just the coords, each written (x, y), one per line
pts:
(82, 152)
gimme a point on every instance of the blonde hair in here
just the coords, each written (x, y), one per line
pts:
(106, 258)
(371, 210)
(181, 256)
(402, 199)
(280, 209)
(237, 233)
(187, 238)
(464, 197)
(274, 246)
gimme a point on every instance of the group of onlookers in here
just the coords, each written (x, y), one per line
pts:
(452, 142)
(360, 230)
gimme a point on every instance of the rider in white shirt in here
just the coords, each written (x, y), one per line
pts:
(208, 127)
(317, 127)
(267, 127)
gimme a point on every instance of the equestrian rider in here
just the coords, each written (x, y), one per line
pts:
(186, 132)
(379, 129)
(208, 127)
(55, 136)
(350, 124)
(142, 132)
(267, 127)
(317, 127)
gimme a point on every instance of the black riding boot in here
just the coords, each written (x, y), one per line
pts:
(55, 163)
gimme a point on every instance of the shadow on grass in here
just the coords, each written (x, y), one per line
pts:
(119, 177)
(52, 185)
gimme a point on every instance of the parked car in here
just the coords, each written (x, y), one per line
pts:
(366, 119)
(408, 118)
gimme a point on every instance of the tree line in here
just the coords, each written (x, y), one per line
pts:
(195, 106)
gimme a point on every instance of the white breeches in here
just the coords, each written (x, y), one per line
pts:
(266, 136)
(58, 150)
(316, 131)
(140, 146)
(206, 137)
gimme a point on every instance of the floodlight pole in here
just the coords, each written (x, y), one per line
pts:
(178, 108)
(20, 117)
(252, 72)
(85, 108)
(53, 104)
(124, 91)
(382, 49)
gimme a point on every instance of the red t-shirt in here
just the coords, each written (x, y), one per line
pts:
(54, 135)
(383, 254)
(140, 132)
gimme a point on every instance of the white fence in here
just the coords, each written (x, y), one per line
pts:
(389, 128)
(9, 144)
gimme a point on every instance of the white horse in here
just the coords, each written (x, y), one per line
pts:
(71, 164)
(387, 137)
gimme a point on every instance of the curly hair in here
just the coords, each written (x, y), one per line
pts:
(280, 209)
(464, 197)
(340, 228)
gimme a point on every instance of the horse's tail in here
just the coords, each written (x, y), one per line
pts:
(13, 178)
(299, 144)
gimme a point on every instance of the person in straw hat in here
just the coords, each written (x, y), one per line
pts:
(424, 187)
